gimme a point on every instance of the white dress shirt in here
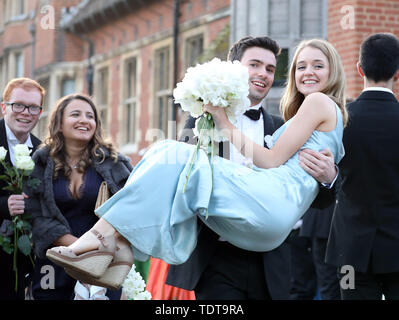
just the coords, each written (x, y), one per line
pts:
(377, 89)
(254, 130)
(12, 141)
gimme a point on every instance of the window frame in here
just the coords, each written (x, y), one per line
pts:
(162, 90)
(102, 87)
(130, 101)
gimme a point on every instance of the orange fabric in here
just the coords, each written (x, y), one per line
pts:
(157, 286)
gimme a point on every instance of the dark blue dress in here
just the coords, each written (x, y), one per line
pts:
(50, 281)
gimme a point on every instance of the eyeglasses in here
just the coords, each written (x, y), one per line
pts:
(19, 107)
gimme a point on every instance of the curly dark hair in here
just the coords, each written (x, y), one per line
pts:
(56, 143)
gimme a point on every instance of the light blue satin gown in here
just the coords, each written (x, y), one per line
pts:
(252, 208)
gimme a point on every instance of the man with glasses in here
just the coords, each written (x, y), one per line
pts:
(21, 108)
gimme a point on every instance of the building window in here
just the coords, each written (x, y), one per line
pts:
(5, 70)
(67, 86)
(2, 74)
(194, 49)
(311, 18)
(14, 10)
(2, 14)
(162, 112)
(19, 8)
(130, 100)
(41, 127)
(19, 65)
(280, 76)
(279, 17)
(102, 96)
(6, 10)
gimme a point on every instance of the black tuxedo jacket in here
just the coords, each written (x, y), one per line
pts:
(6, 260)
(316, 222)
(276, 262)
(365, 226)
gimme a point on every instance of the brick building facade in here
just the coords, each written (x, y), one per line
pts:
(350, 22)
(128, 54)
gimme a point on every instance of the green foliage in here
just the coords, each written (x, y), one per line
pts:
(25, 245)
(5, 243)
(21, 228)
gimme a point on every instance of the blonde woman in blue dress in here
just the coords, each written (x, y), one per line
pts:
(253, 208)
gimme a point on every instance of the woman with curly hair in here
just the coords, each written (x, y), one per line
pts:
(72, 163)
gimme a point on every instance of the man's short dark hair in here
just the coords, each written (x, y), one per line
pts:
(379, 56)
(237, 50)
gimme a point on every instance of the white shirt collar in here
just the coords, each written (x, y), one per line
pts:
(13, 140)
(258, 106)
(377, 89)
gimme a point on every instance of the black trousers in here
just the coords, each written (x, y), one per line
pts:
(308, 270)
(7, 276)
(371, 286)
(303, 273)
(233, 274)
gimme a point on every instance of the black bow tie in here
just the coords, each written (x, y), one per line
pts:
(253, 114)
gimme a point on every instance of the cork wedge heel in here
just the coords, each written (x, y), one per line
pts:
(93, 263)
(115, 274)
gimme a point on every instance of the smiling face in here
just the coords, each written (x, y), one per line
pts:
(21, 124)
(78, 122)
(312, 71)
(261, 64)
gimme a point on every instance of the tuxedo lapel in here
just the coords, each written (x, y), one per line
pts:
(35, 142)
(224, 149)
(3, 139)
(268, 125)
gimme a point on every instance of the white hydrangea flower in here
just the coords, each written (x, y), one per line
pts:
(220, 83)
(269, 141)
(143, 296)
(134, 286)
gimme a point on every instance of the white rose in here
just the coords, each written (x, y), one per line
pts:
(24, 163)
(21, 150)
(3, 153)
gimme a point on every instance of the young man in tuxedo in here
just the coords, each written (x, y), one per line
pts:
(21, 109)
(216, 269)
(364, 234)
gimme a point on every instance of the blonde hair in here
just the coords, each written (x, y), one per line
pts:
(336, 84)
(56, 143)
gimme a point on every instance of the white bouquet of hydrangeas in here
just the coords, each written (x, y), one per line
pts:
(134, 286)
(220, 83)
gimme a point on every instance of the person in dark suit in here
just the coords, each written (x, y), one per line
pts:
(217, 269)
(21, 109)
(364, 236)
(309, 271)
